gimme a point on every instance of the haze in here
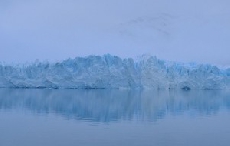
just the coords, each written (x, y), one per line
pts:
(185, 31)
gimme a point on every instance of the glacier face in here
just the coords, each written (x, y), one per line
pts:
(100, 72)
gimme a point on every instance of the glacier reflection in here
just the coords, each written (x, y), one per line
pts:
(114, 105)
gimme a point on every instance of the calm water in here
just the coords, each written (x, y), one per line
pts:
(43, 117)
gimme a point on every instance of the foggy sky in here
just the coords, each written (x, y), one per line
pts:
(197, 31)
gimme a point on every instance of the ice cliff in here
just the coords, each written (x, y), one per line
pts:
(94, 72)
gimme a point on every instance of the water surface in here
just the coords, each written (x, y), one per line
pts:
(43, 117)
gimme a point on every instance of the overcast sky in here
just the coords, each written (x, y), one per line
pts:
(195, 30)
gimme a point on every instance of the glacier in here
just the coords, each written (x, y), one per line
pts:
(113, 72)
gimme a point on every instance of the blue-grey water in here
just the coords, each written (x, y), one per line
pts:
(44, 117)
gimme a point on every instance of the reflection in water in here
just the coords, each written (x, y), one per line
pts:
(113, 105)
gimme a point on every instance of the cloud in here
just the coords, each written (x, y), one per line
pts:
(58, 29)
